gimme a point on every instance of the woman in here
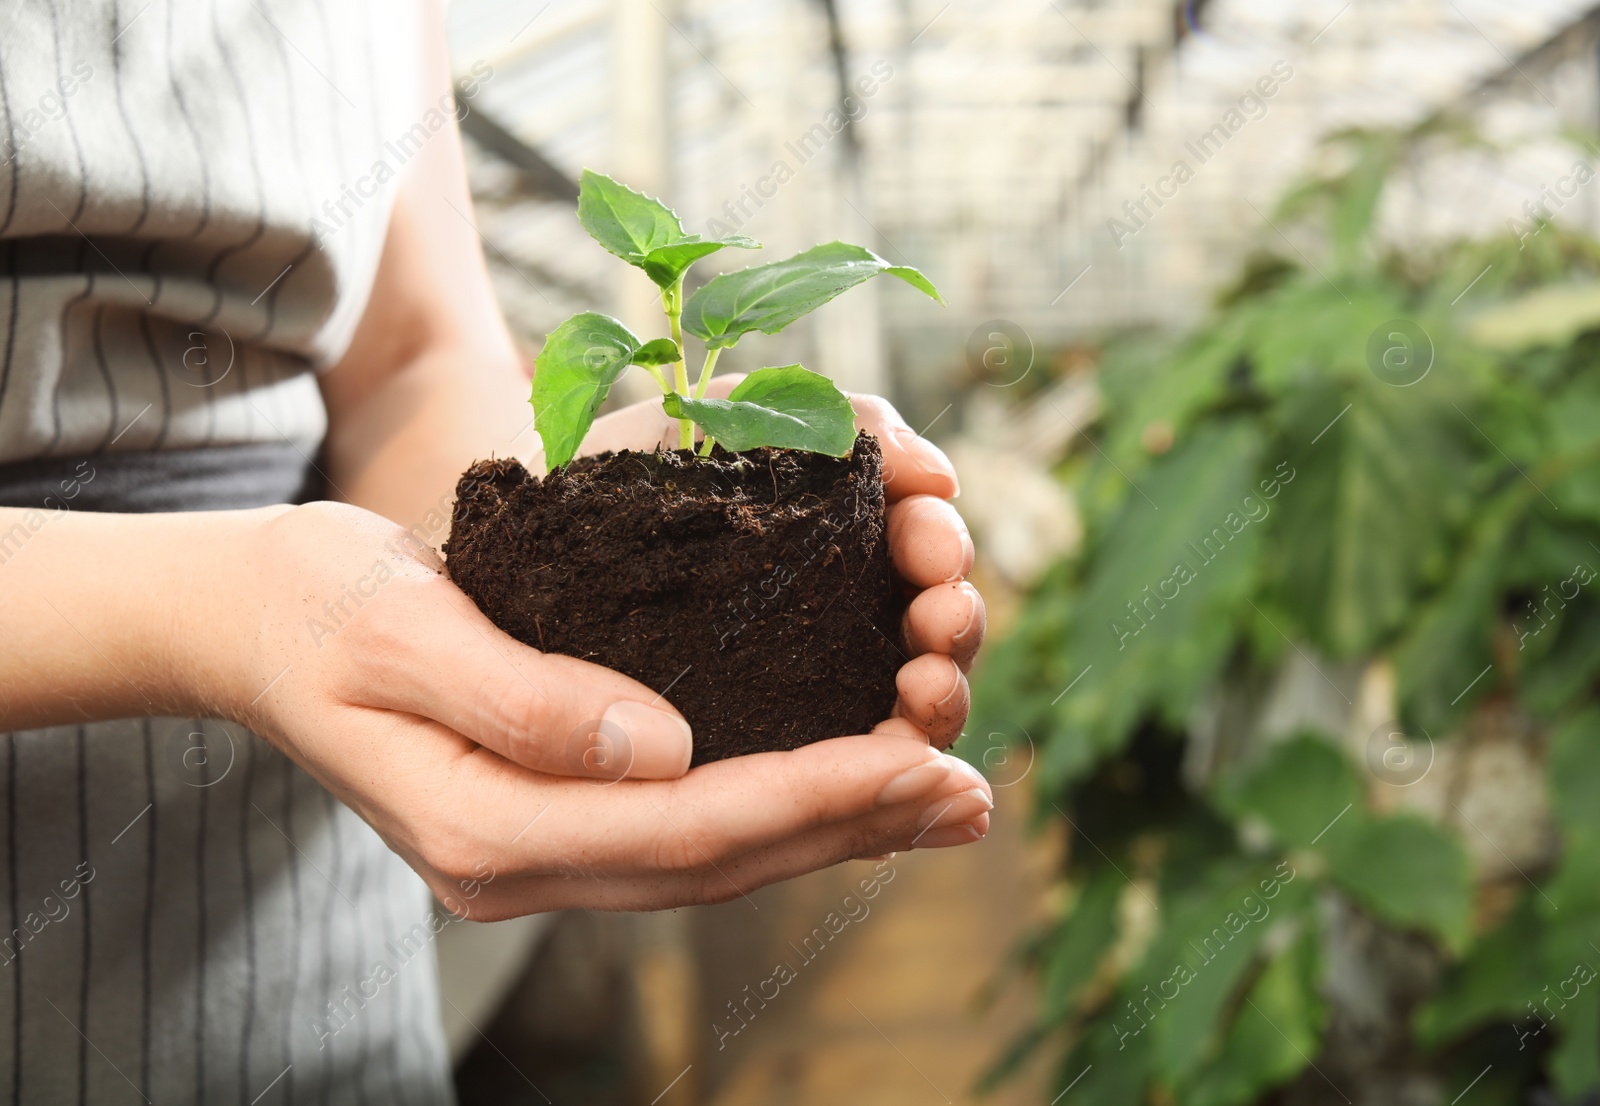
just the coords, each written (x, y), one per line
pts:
(192, 346)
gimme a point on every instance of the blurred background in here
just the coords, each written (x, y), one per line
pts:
(1269, 370)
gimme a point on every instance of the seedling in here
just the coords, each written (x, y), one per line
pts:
(786, 407)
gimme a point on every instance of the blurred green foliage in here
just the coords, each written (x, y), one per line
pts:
(1287, 478)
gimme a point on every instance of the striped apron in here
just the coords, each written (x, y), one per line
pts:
(193, 199)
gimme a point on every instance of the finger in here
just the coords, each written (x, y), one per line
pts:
(946, 618)
(958, 814)
(957, 819)
(900, 727)
(551, 713)
(960, 820)
(488, 807)
(723, 810)
(934, 696)
(928, 542)
(912, 465)
(642, 426)
(455, 814)
(720, 386)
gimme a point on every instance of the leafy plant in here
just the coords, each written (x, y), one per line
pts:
(1349, 470)
(788, 407)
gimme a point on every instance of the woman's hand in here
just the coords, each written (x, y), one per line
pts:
(928, 543)
(338, 637)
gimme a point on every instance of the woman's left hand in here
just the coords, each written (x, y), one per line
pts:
(928, 543)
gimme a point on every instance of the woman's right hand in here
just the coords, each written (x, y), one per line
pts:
(339, 638)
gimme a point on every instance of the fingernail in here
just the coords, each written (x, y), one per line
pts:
(955, 685)
(969, 556)
(930, 457)
(972, 613)
(659, 744)
(948, 837)
(968, 770)
(916, 782)
(955, 810)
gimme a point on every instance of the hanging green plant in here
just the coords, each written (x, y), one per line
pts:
(1368, 480)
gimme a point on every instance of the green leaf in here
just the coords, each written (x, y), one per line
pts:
(915, 278)
(786, 408)
(1378, 475)
(1079, 944)
(1157, 612)
(1298, 790)
(628, 223)
(1199, 963)
(1009, 689)
(1492, 984)
(1150, 386)
(1575, 775)
(1575, 1063)
(1450, 641)
(1357, 195)
(657, 351)
(572, 376)
(1408, 872)
(1562, 674)
(1274, 1033)
(1571, 439)
(1304, 333)
(643, 231)
(665, 264)
(1110, 1067)
(770, 297)
(1573, 891)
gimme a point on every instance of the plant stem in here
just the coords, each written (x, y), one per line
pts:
(672, 303)
(666, 389)
(705, 374)
(705, 447)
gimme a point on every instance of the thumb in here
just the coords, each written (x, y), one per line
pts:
(719, 386)
(645, 425)
(550, 713)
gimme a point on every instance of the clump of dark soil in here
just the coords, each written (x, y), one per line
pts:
(753, 589)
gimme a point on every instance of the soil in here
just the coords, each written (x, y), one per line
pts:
(752, 589)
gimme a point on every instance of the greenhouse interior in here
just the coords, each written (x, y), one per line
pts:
(1249, 337)
(1184, 247)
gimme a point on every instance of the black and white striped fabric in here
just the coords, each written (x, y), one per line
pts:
(188, 916)
(182, 938)
(193, 197)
